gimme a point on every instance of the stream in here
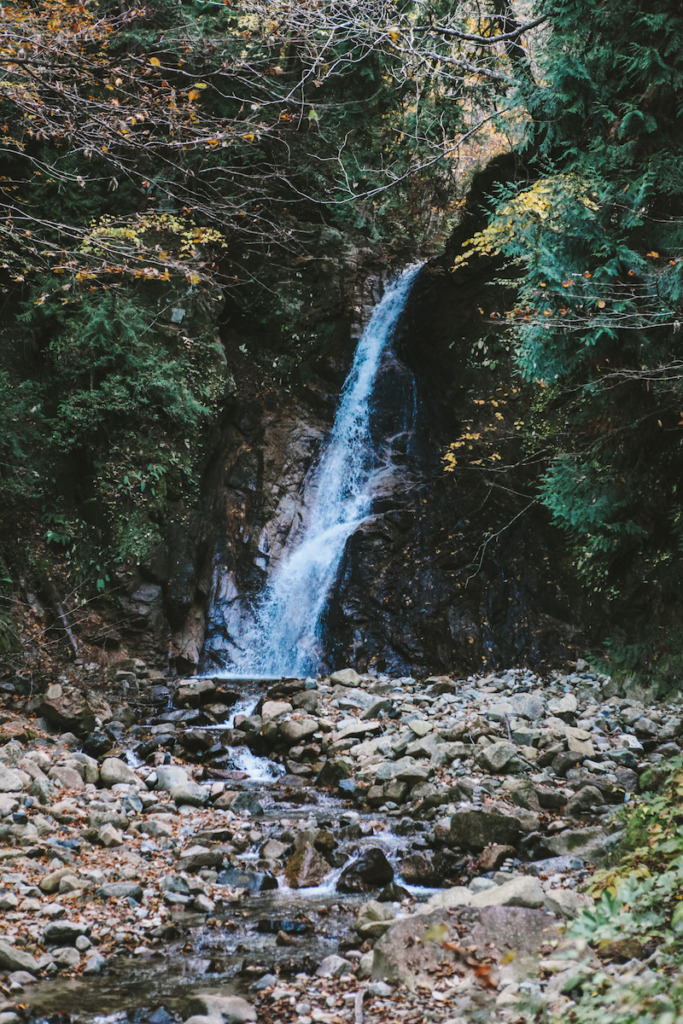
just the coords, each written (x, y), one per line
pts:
(272, 927)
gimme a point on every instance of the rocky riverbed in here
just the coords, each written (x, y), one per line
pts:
(339, 849)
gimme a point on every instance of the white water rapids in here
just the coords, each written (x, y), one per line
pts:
(284, 636)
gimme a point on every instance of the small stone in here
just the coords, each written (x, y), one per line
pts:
(373, 920)
(497, 756)
(579, 741)
(95, 963)
(565, 705)
(110, 837)
(334, 967)
(67, 957)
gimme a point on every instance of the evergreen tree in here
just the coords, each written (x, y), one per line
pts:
(598, 237)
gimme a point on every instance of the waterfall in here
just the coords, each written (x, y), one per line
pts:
(284, 636)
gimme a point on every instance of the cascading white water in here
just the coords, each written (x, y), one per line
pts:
(285, 634)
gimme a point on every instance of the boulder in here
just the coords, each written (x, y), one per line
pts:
(67, 777)
(170, 775)
(588, 843)
(334, 967)
(191, 794)
(477, 828)
(63, 933)
(68, 712)
(371, 870)
(12, 780)
(119, 891)
(566, 903)
(306, 867)
(273, 709)
(346, 677)
(518, 892)
(586, 799)
(415, 948)
(194, 692)
(247, 803)
(110, 837)
(419, 726)
(565, 705)
(579, 742)
(528, 705)
(50, 882)
(493, 856)
(115, 771)
(423, 868)
(497, 756)
(333, 771)
(297, 730)
(197, 857)
(13, 959)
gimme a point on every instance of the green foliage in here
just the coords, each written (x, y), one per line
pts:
(121, 404)
(637, 908)
(598, 241)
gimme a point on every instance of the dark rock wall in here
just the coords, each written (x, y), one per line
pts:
(452, 572)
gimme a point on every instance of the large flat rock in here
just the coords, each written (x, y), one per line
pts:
(509, 940)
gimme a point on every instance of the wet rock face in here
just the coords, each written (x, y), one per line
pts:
(422, 586)
(372, 870)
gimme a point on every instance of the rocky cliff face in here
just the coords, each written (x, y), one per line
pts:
(451, 571)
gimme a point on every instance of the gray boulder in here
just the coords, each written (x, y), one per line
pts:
(119, 891)
(475, 829)
(115, 771)
(518, 892)
(346, 677)
(13, 959)
(170, 775)
(415, 948)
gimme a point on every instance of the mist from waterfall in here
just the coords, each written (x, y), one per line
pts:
(285, 634)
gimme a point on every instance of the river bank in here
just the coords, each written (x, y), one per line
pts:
(353, 848)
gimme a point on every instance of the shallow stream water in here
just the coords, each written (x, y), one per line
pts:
(240, 944)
